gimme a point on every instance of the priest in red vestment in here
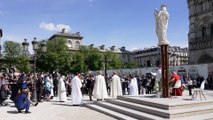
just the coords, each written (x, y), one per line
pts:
(175, 78)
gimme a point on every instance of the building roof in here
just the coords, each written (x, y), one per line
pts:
(67, 35)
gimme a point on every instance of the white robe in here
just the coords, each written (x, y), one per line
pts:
(62, 94)
(51, 92)
(100, 90)
(115, 88)
(76, 91)
(133, 87)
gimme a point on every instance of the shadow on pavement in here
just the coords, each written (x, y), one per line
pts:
(189, 99)
(67, 105)
(13, 112)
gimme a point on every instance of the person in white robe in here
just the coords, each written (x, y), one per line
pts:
(115, 88)
(51, 82)
(158, 80)
(133, 85)
(100, 90)
(62, 96)
(76, 90)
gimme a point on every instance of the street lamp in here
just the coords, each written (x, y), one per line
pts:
(35, 43)
(35, 48)
(25, 45)
(105, 61)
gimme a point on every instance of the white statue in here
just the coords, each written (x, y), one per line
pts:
(162, 18)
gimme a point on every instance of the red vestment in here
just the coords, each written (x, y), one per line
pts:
(176, 91)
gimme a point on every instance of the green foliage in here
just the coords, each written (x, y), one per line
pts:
(114, 61)
(78, 63)
(23, 64)
(92, 57)
(12, 50)
(57, 57)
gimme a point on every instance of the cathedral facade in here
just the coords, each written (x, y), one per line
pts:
(200, 36)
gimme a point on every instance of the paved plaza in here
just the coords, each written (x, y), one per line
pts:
(53, 110)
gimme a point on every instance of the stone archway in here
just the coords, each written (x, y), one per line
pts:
(205, 59)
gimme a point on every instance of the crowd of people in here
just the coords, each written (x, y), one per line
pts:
(23, 88)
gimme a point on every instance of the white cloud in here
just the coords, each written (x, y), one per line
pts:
(54, 27)
(61, 26)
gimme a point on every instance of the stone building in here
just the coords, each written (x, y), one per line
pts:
(124, 55)
(74, 40)
(200, 36)
(150, 57)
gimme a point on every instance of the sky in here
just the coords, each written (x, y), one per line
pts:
(101, 22)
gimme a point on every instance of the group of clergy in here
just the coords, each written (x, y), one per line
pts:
(99, 90)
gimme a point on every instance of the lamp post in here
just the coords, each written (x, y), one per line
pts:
(35, 43)
(25, 46)
(35, 48)
(105, 61)
(1, 34)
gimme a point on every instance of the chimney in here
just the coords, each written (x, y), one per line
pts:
(63, 30)
(113, 48)
(102, 47)
(91, 45)
(123, 48)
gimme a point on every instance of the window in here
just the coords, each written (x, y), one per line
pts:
(211, 30)
(201, 6)
(69, 44)
(203, 31)
(77, 45)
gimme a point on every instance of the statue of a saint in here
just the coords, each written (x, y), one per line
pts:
(162, 18)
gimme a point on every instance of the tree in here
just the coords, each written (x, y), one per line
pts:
(12, 50)
(23, 64)
(114, 61)
(57, 57)
(92, 57)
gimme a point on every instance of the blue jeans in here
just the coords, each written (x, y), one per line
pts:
(25, 106)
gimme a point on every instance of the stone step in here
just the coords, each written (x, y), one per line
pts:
(187, 112)
(168, 103)
(109, 112)
(129, 112)
(143, 102)
(143, 108)
(201, 110)
(196, 117)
